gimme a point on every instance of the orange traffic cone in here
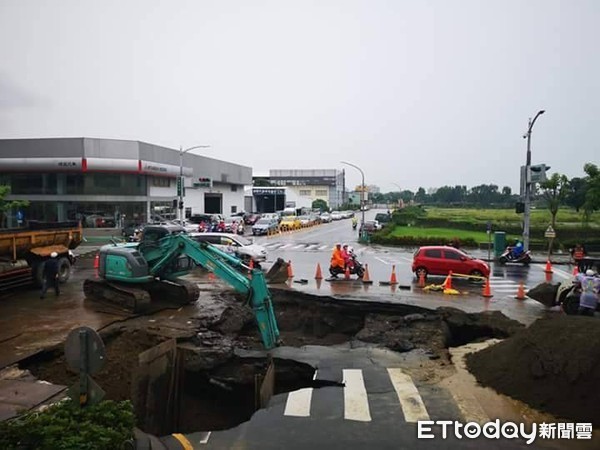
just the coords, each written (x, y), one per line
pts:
(393, 276)
(97, 261)
(318, 274)
(366, 278)
(422, 280)
(289, 268)
(575, 271)
(521, 292)
(548, 268)
(487, 290)
(250, 268)
(448, 281)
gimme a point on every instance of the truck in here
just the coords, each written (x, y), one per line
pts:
(23, 252)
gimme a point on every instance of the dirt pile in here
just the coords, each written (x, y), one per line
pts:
(554, 365)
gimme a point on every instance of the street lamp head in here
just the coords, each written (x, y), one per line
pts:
(542, 111)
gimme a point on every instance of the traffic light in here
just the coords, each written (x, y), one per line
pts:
(179, 186)
(520, 207)
(538, 173)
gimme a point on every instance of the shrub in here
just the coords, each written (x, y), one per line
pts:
(65, 426)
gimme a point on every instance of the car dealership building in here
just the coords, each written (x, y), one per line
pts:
(106, 182)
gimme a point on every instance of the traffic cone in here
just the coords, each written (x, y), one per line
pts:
(318, 274)
(422, 280)
(251, 268)
(548, 268)
(393, 276)
(521, 292)
(97, 261)
(289, 270)
(448, 281)
(487, 290)
(575, 271)
(366, 278)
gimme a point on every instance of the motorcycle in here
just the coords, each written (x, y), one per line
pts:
(509, 257)
(354, 267)
(354, 224)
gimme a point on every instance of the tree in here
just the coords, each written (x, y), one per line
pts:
(554, 190)
(576, 193)
(421, 196)
(7, 205)
(592, 195)
(320, 204)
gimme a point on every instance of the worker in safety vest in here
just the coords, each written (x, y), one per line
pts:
(578, 254)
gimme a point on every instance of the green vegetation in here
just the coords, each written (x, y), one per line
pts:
(65, 426)
(320, 204)
(415, 226)
(6, 205)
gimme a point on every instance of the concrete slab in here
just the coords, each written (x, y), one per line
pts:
(17, 395)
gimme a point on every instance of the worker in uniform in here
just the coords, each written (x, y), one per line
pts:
(50, 275)
(590, 288)
(578, 254)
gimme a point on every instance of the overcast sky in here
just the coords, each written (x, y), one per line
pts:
(417, 93)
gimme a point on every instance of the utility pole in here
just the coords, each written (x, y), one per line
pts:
(527, 212)
(181, 181)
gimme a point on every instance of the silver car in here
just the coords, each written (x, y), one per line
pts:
(243, 248)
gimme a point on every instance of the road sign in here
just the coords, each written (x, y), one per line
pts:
(550, 233)
(94, 349)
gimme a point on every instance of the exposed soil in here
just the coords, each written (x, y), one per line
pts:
(220, 387)
(122, 349)
(554, 365)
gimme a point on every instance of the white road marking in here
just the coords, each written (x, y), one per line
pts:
(204, 440)
(404, 258)
(562, 273)
(410, 399)
(383, 261)
(356, 403)
(323, 247)
(285, 246)
(296, 247)
(298, 403)
(312, 246)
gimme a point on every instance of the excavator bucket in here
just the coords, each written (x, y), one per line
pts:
(278, 273)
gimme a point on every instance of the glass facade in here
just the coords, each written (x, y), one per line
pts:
(75, 184)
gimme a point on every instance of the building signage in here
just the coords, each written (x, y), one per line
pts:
(268, 191)
(40, 164)
(167, 170)
(110, 165)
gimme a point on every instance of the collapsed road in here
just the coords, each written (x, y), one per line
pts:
(217, 385)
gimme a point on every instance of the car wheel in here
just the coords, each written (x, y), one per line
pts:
(421, 272)
(571, 304)
(477, 273)
(502, 260)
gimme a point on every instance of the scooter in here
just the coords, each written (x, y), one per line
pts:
(509, 257)
(354, 225)
(354, 267)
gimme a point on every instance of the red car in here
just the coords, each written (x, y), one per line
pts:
(439, 260)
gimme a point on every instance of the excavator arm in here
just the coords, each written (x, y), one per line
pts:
(224, 266)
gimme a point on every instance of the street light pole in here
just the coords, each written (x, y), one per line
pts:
(181, 152)
(362, 193)
(527, 212)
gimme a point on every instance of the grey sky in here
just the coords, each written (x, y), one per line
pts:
(417, 93)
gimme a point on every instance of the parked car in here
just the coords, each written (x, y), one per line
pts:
(265, 226)
(251, 219)
(243, 248)
(336, 215)
(304, 221)
(290, 223)
(383, 218)
(440, 260)
(98, 219)
(325, 218)
(370, 226)
(190, 227)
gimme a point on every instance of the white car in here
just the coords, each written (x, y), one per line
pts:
(242, 247)
(189, 226)
(336, 216)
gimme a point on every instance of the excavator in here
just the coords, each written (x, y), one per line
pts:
(132, 275)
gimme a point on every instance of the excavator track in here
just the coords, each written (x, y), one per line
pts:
(142, 298)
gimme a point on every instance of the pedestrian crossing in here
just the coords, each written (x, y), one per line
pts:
(297, 246)
(366, 394)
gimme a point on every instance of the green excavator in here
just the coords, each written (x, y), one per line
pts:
(134, 275)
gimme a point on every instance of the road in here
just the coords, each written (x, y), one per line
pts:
(311, 246)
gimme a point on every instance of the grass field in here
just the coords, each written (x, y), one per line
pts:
(538, 216)
(443, 233)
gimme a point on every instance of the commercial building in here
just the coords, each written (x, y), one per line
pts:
(302, 187)
(106, 182)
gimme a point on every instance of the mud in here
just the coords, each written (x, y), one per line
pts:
(554, 366)
(219, 387)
